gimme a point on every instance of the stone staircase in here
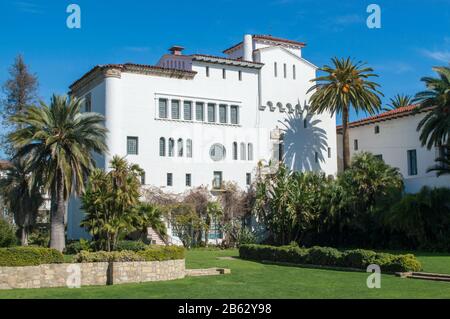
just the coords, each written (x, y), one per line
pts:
(207, 272)
(424, 276)
(154, 237)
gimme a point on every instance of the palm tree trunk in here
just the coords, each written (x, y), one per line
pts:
(346, 142)
(57, 234)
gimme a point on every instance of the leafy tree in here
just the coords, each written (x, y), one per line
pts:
(435, 126)
(111, 202)
(443, 163)
(345, 85)
(186, 224)
(151, 216)
(7, 236)
(21, 92)
(22, 196)
(398, 101)
(58, 142)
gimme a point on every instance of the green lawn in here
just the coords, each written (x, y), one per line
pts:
(255, 280)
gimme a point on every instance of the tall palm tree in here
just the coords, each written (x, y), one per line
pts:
(443, 163)
(398, 101)
(58, 141)
(435, 126)
(345, 85)
(22, 196)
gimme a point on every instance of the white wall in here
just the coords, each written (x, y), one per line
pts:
(396, 137)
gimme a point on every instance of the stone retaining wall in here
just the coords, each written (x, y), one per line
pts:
(91, 274)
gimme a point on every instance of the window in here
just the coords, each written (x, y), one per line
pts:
(171, 147)
(355, 145)
(215, 231)
(329, 152)
(243, 152)
(217, 181)
(248, 179)
(377, 129)
(278, 151)
(143, 178)
(379, 156)
(240, 75)
(169, 179)
(224, 73)
(188, 180)
(189, 148)
(285, 70)
(234, 114)
(180, 147)
(163, 108)
(199, 111)
(207, 71)
(235, 151)
(250, 152)
(294, 72)
(211, 112)
(188, 110)
(305, 123)
(217, 152)
(275, 69)
(223, 113)
(316, 157)
(162, 147)
(88, 103)
(175, 109)
(412, 162)
(132, 145)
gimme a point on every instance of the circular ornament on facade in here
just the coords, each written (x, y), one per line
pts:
(217, 152)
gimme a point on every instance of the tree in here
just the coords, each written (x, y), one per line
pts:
(22, 196)
(187, 225)
(345, 85)
(21, 92)
(435, 126)
(399, 100)
(151, 216)
(443, 163)
(58, 142)
(111, 202)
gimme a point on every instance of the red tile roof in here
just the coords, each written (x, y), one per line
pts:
(270, 38)
(389, 115)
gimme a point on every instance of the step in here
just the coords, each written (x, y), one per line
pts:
(207, 272)
(425, 276)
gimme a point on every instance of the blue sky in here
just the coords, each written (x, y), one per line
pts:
(415, 35)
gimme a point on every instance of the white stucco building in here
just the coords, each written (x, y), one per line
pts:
(393, 136)
(194, 120)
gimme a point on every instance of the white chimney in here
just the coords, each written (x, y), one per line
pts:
(248, 48)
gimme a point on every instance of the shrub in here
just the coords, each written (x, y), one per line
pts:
(358, 258)
(324, 256)
(76, 247)
(160, 253)
(130, 245)
(29, 256)
(7, 234)
(104, 256)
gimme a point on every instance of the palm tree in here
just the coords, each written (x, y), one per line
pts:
(443, 163)
(58, 141)
(398, 101)
(151, 216)
(435, 126)
(22, 196)
(345, 85)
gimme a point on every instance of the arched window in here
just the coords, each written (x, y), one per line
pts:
(162, 146)
(171, 147)
(189, 148)
(243, 152)
(235, 151)
(250, 152)
(377, 129)
(180, 147)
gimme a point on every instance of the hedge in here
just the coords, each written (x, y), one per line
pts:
(325, 256)
(29, 256)
(152, 253)
(131, 245)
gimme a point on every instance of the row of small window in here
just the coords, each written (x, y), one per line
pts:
(199, 111)
(285, 70)
(224, 73)
(246, 151)
(217, 179)
(171, 149)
